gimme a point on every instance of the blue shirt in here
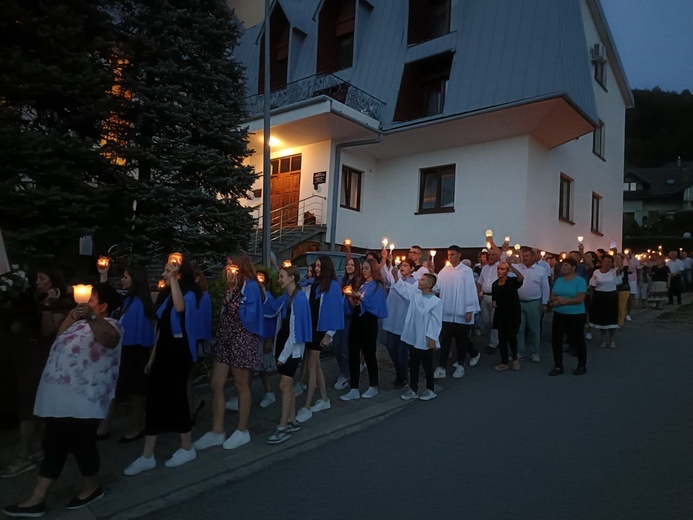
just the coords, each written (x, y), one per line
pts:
(570, 289)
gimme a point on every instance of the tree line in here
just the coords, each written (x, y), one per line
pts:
(120, 119)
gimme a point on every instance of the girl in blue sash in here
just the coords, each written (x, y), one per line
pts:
(328, 317)
(363, 333)
(169, 367)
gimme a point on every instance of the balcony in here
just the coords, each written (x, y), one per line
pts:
(319, 85)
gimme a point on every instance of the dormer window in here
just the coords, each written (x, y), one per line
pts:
(598, 57)
(336, 35)
(279, 52)
(424, 88)
(428, 19)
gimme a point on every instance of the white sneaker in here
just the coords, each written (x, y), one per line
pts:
(304, 415)
(612, 345)
(440, 373)
(371, 392)
(408, 395)
(181, 457)
(267, 400)
(342, 383)
(237, 439)
(298, 389)
(362, 367)
(455, 364)
(588, 335)
(475, 360)
(140, 465)
(320, 405)
(232, 404)
(351, 395)
(628, 318)
(208, 440)
(457, 374)
(535, 358)
(427, 395)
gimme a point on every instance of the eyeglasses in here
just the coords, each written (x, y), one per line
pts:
(414, 252)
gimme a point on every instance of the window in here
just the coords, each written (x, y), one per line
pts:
(596, 213)
(423, 88)
(630, 186)
(336, 36)
(350, 196)
(279, 52)
(600, 73)
(288, 164)
(428, 19)
(437, 191)
(565, 197)
(598, 140)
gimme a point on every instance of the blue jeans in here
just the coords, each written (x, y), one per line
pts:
(399, 353)
(530, 320)
(340, 347)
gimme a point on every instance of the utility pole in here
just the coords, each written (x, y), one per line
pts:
(266, 185)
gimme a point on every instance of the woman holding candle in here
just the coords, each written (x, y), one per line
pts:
(31, 344)
(661, 277)
(340, 344)
(240, 327)
(363, 332)
(169, 365)
(327, 316)
(604, 297)
(568, 303)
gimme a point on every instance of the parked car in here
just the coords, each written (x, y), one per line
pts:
(302, 261)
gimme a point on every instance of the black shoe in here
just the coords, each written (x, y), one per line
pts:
(556, 371)
(79, 503)
(128, 440)
(14, 510)
(580, 371)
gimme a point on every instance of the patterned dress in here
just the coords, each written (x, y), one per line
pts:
(235, 345)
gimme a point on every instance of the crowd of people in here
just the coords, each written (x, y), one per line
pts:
(132, 346)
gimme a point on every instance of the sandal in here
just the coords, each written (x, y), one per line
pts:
(500, 367)
(19, 466)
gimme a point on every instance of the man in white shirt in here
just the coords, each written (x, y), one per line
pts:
(460, 301)
(687, 275)
(634, 277)
(488, 275)
(676, 268)
(534, 296)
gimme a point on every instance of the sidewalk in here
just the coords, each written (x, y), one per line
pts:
(131, 497)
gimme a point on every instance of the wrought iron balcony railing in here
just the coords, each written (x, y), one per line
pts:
(318, 85)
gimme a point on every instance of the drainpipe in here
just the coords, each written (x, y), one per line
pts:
(336, 173)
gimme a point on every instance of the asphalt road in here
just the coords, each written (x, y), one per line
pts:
(616, 443)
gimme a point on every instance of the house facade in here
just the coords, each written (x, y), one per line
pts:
(430, 121)
(651, 193)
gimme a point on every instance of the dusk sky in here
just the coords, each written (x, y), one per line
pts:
(654, 39)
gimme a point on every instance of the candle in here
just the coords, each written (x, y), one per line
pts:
(103, 262)
(261, 277)
(649, 251)
(433, 252)
(448, 263)
(81, 293)
(175, 258)
(392, 246)
(507, 239)
(580, 239)
(233, 269)
(627, 251)
(161, 285)
(659, 247)
(347, 241)
(543, 254)
(563, 255)
(384, 242)
(348, 290)
(488, 245)
(517, 247)
(398, 260)
(489, 232)
(286, 264)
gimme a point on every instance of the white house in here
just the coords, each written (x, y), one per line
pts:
(435, 120)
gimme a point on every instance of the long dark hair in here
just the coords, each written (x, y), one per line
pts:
(327, 273)
(140, 288)
(375, 272)
(246, 270)
(56, 277)
(355, 279)
(186, 281)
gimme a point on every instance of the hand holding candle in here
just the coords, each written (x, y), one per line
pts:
(348, 290)
(261, 278)
(385, 241)
(286, 264)
(102, 263)
(175, 259)
(580, 239)
(489, 233)
(161, 285)
(81, 293)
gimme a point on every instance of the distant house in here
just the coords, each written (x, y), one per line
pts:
(650, 193)
(430, 121)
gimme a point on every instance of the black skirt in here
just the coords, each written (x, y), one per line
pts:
(604, 310)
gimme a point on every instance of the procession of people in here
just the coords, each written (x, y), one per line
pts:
(107, 345)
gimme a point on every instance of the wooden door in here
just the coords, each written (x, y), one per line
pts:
(284, 193)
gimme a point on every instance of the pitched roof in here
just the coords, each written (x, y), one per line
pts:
(663, 181)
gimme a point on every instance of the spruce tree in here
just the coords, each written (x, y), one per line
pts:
(183, 105)
(55, 185)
